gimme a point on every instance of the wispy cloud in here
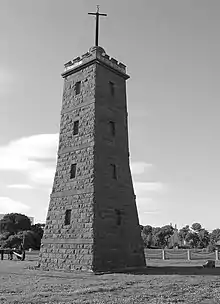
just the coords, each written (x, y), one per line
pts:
(143, 187)
(34, 155)
(139, 167)
(8, 205)
(20, 186)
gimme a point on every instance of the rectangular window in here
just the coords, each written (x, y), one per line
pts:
(67, 217)
(118, 217)
(73, 171)
(112, 88)
(76, 127)
(78, 87)
(114, 172)
(112, 127)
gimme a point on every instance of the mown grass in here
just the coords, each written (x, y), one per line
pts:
(20, 284)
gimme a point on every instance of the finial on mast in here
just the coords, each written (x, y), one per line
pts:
(97, 14)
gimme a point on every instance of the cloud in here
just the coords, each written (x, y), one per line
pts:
(34, 155)
(43, 175)
(8, 205)
(139, 167)
(20, 186)
(24, 154)
(147, 205)
(143, 187)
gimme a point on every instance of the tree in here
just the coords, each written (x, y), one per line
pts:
(14, 240)
(14, 222)
(215, 236)
(196, 227)
(161, 235)
(166, 232)
(146, 234)
(156, 238)
(193, 239)
(183, 233)
(204, 238)
(31, 240)
(38, 228)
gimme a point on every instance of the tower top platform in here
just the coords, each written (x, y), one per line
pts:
(95, 54)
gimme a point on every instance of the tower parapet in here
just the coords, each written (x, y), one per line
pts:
(95, 53)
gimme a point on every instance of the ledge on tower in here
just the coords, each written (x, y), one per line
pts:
(94, 53)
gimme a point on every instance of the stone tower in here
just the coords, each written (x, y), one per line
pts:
(92, 221)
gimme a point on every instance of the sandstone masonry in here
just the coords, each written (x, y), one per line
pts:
(92, 221)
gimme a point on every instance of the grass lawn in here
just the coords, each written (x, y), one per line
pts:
(162, 282)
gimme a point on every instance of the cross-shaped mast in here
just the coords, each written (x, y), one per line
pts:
(97, 14)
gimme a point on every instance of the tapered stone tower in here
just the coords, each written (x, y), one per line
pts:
(92, 221)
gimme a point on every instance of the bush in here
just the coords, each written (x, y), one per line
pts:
(211, 248)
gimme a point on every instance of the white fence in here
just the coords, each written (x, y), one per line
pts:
(181, 254)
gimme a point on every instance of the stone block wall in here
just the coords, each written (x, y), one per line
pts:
(70, 246)
(103, 233)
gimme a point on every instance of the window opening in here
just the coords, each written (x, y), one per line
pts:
(112, 88)
(67, 217)
(76, 127)
(118, 217)
(78, 87)
(114, 172)
(73, 171)
(112, 127)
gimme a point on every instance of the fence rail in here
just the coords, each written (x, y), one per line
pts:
(181, 254)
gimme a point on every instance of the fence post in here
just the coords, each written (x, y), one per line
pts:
(188, 255)
(163, 254)
(216, 254)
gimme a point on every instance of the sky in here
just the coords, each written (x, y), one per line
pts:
(171, 49)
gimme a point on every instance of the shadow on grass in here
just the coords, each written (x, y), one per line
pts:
(175, 270)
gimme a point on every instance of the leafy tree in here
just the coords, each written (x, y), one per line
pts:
(196, 227)
(215, 236)
(161, 235)
(156, 237)
(183, 233)
(14, 222)
(166, 232)
(38, 228)
(211, 248)
(204, 238)
(4, 236)
(32, 240)
(12, 241)
(193, 239)
(146, 234)
(198, 237)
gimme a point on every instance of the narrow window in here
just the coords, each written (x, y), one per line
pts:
(73, 171)
(112, 88)
(76, 127)
(114, 173)
(67, 217)
(112, 127)
(118, 217)
(78, 87)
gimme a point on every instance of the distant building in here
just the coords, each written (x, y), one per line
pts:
(30, 217)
